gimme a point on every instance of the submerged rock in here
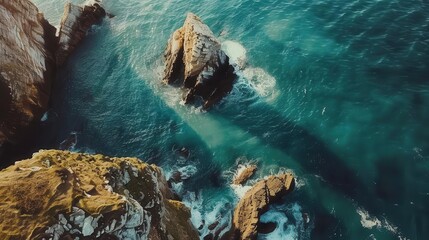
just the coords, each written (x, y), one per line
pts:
(256, 201)
(194, 59)
(244, 174)
(64, 195)
(75, 23)
(27, 66)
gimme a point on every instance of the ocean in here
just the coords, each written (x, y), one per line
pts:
(335, 91)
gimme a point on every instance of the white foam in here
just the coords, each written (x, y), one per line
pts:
(263, 83)
(187, 171)
(286, 228)
(240, 190)
(44, 117)
(368, 221)
(195, 203)
(236, 53)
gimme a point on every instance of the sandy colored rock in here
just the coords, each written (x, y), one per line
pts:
(64, 195)
(256, 202)
(243, 175)
(194, 59)
(27, 42)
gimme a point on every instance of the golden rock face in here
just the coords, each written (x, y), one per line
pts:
(59, 194)
(256, 201)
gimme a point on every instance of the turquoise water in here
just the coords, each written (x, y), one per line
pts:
(335, 91)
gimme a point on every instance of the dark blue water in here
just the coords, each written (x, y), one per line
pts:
(335, 91)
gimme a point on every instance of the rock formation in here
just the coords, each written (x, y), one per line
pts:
(243, 174)
(27, 42)
(75, 23)
(29, 53)
(256, 201)
(195, 60)
(64, 195)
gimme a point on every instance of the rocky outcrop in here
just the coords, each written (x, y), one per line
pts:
(27, 42)
(29, 53)
(243, 174)
(194, 60)
(64, 195)
(75, 24)
(256, 201)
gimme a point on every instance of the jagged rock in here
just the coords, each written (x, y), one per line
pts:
(195, 60)
(64, 195)
(75, 23)
(244, 174)
(27, 66)
(256, 202)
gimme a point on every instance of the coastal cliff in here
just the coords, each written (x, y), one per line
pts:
(30, 53)
(27, 67)
(64, 195)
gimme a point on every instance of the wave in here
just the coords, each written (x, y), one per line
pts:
(254, 78)
(368, 221)
(236, 53)
(290, 222)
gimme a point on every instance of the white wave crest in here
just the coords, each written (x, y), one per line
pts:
(289, 220)
(236, 53)
(368, 221)
(263, 83)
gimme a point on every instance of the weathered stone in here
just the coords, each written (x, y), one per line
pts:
(244, 174)
(194, 59)
(27, 67)
(65, 195)
(75, 24)
(256, 202)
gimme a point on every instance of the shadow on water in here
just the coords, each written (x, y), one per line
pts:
(263, 121)
(315, 157)
(111, 110)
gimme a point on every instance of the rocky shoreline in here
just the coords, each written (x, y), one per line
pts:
(30, 55)
(63, 195)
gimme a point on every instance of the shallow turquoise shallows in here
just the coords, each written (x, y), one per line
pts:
(336, 91)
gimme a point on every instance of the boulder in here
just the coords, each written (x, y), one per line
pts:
(256, 202)
(74, 26)
(194, 60)
(65, 195)
(243, 174)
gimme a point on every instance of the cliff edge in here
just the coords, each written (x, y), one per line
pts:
(26, 66)
(65, 195)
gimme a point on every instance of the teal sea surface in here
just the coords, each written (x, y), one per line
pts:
(336, 91)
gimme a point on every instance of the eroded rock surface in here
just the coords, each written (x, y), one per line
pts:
(194, 60)
(64, 195)
(75, 23)
(27, 42)
(244, 174)
(256, 202)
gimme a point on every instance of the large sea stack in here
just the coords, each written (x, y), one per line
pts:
(64, 195)
(194, 60)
